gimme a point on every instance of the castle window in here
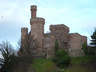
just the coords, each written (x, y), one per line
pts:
(65, 44)
(47, 45)
(69, 49)
(34, 51)
(82, 42)
(47, 38)
(69, 42)
(82, 49)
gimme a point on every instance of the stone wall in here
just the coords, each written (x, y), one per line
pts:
(50, 53)
(60, 33)
(76, 53)
(76, 41)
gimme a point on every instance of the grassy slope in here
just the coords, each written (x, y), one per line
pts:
(78, 64)
(43, 65)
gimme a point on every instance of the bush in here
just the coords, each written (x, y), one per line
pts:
(63, 59)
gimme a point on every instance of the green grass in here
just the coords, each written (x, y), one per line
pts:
(43, 65)
(79, 60)
(76, 65)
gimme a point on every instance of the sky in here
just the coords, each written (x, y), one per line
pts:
(78, 15)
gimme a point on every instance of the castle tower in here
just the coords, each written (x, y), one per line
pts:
(24, 33)
(37, 27)
(33, 11)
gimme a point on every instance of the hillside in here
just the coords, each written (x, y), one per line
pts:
(78, 64)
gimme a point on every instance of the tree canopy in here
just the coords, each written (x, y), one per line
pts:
(8, 57)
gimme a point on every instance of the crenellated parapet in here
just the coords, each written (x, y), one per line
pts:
(24, 29)
(37, 20)
(59, 27)
(33, 7)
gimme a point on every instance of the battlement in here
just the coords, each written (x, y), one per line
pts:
(84, 37)
(59, 27)
(37, 20)
(75, 35)
(34, 7)
(24, 29)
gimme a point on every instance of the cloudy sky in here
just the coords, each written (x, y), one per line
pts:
(78, 15)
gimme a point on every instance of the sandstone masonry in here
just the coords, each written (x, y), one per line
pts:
(71, 42)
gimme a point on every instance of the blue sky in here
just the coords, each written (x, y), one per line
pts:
(78, 15)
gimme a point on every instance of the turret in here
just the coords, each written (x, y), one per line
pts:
(33, 11)
(24, 32)
(37, 26)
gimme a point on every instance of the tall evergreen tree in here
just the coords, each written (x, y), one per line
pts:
(93, 43)
(93, 49)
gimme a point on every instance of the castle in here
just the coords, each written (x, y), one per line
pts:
(71, 42)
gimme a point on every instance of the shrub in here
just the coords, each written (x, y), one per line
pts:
(85, 48)
(56, 47)
(63, 59)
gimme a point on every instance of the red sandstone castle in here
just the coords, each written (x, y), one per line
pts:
(71, 42)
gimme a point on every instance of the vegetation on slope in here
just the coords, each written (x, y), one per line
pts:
(42, 65)
(78, 64)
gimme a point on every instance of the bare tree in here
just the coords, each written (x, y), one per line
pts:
(28, 46)
(18, 44)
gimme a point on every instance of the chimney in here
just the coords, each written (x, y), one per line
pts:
(33, 11)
